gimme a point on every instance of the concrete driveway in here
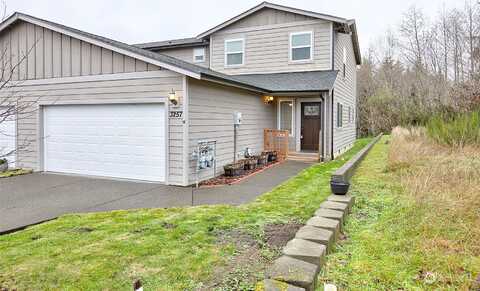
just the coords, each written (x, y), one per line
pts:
(34, 198)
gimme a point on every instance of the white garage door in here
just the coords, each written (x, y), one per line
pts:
(7, 137)
(121, 141)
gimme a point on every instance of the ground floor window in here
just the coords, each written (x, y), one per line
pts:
(339, 114)
(285, 114)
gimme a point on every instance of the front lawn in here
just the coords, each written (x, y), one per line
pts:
(415, 225)
(207, 247)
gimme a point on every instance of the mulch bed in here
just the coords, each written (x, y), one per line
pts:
(225, 180)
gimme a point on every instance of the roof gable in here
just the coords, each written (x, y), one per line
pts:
(105, 43)
(263, 5)
(268, 16)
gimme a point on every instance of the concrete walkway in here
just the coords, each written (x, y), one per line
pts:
(30, 199)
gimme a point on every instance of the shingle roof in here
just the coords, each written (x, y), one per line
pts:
(182, 42)
(312, 81)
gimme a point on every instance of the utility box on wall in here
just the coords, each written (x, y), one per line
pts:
(237, 118)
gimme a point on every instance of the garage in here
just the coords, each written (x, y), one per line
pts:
(114, 140)
(7, 136)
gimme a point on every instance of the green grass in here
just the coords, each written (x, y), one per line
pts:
(15, 172)
(389, 238)
(458, 130)
(168, 249)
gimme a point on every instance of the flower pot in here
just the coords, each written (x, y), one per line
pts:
(339, 188)
(250, 164)
(262, 160)
(3, 166)
(273, 156)
(234, 169)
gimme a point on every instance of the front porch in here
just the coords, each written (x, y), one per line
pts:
(301, 131)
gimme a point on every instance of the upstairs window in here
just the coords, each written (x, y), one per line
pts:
(199, 55)
(301, 48)
(234, 52)
(344, 62)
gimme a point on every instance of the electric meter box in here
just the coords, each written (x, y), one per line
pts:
(237, 118)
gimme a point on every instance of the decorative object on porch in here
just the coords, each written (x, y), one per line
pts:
(276, 140)
(251, 164)
(3, 165)
(234, 169)
(262, 159)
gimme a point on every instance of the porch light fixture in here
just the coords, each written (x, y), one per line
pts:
(268, 99)
(172, 96)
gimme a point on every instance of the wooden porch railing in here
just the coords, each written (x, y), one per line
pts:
(276, 140)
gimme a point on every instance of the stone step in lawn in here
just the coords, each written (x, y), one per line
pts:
(325, 223)
(273, 285)
(347, 199)
(335, 206)
(307, 251)
(317, 235)
(295, 272)
(332, 214)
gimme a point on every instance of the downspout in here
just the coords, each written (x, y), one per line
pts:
(332, 126)
(332, 92)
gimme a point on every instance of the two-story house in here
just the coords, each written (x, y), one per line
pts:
(105, 108)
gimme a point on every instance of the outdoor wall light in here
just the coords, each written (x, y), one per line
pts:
(172, 96)
(268, 99)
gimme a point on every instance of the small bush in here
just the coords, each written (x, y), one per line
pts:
(455, 130)
(3, 161)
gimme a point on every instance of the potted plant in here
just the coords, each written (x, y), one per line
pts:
(3, 165)
(234, 169)
(273, 156)
(251, 164)
(339, 188)
(262, 159)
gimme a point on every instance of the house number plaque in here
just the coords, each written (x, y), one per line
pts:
(176, 114)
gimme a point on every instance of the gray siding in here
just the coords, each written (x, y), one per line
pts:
(211, 109)
(345, 92)
(268, 16)
(132, 89)
(267, 48)
(186, 54)
(42, 53)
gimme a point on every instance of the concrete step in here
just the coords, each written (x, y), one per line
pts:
(302, 156)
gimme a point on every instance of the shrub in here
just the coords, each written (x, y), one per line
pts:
(3, 161)
(459, 129)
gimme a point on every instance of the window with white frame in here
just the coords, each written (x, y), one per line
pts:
(339, 114)
(199, 55)
(285, 115)
(301, 46)
(344, 62)
(234, 52)
(350, 119)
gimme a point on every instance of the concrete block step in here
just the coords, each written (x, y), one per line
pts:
(274, 285)
(307, 251)
(332, 214)
(335, 206)
(347, 199)
(325, 223)
(295, 272)
(317, 235)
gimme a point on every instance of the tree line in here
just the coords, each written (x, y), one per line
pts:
(423, 67)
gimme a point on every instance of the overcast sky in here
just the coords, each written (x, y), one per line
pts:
(137, 21)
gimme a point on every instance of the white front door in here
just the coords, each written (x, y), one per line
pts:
(7, 137)
(121, 141)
